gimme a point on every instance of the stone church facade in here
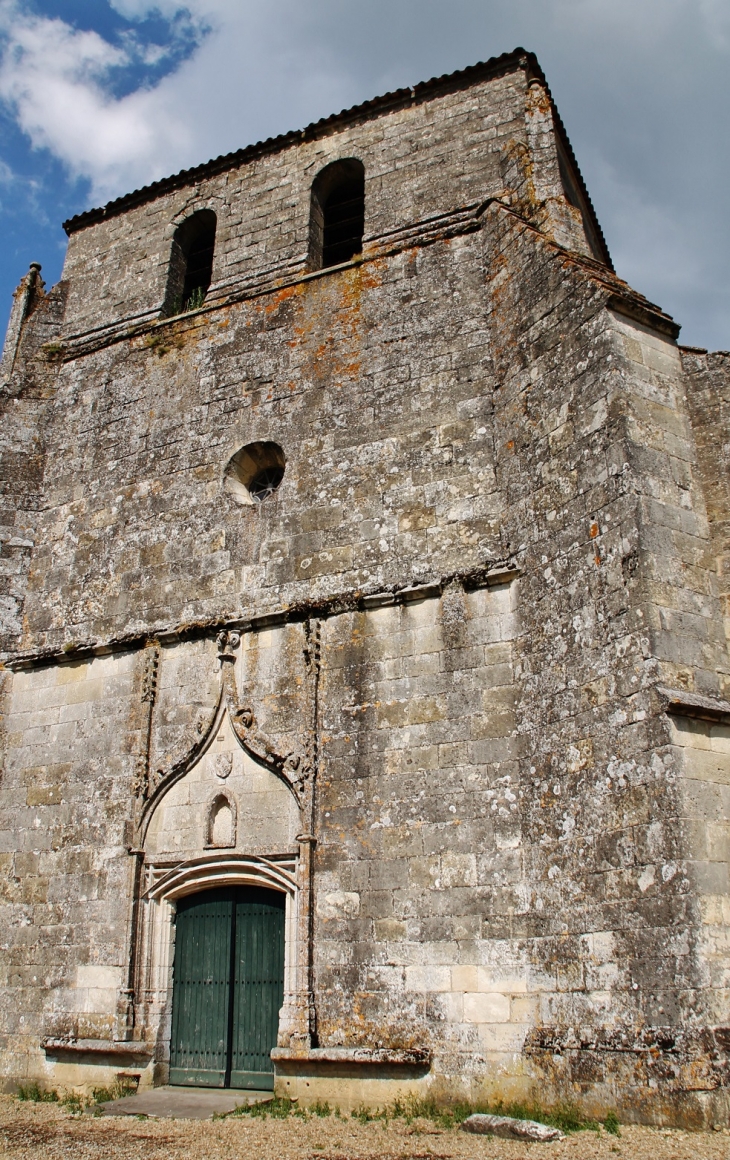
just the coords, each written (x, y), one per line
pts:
(364, 565)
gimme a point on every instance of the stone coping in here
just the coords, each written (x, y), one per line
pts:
(680, 703)
(407, 1057)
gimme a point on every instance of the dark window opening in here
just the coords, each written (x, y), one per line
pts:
(344, 222)
(265, 483)
(191, 263)
(337, 220)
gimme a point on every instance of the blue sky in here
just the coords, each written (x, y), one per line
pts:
(98, 97)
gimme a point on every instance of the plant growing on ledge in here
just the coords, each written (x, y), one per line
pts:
(195, 301)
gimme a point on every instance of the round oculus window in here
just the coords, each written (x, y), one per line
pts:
(254, 472)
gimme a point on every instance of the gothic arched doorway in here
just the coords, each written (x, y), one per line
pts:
(228, 987)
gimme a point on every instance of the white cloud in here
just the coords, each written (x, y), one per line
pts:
(57, 79)
(139, 9)
(641, 87)
(54, 76)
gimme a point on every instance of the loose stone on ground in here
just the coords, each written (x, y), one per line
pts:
(510, 1128)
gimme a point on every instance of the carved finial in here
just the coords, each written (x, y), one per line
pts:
(149, 673)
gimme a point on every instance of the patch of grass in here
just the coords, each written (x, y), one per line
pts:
(366, 1115)
(612, 1125)
(193, 302)
(278, 1108)
(36, 1094)
(116, 1091)
(196, 299)
(321, 1108)
(162, 344)
(157, 343)
(415, 1108)
(281, 1107)
(567, 1117)
(73, 1103)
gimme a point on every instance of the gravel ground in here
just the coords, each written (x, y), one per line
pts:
(36, 1131)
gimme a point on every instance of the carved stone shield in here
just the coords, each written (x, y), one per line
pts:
(222, 765)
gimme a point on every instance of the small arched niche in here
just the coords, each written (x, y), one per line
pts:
(255, 472)
(337, 216)
(221, 824)
(191, 263)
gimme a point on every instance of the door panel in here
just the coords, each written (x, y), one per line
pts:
(228, 987)
(201, 994)
(258, 993)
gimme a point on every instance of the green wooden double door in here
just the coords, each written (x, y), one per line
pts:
(228, 986)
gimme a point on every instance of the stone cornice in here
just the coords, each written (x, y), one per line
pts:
(488, 576)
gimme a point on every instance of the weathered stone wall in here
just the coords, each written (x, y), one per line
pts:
(598, 469)
(419, 829)
(516, 861)
(708, 404)
(428, 170)
(25, 385)
(66, 888)
(380, 402)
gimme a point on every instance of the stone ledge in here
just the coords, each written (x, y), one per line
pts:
(492, 578)
(412, 1057)
(128, 1048)
(631, 306)
(680, 703)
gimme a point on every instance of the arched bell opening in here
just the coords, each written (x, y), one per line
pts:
(190, 271)
(337, 213)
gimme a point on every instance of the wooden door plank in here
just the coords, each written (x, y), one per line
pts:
(201, 990)
(258, 987)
